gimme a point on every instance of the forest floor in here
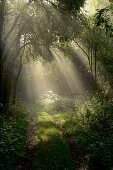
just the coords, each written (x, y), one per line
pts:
(49, 146)
(76, 151)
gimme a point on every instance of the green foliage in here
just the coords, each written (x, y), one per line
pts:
(93, 128)
(13, 130)
(110, 68)
(71, 5)
(102, 19)
(97, 40)
(52, 101)
(111, 1)
(63, 104)
(91, 123)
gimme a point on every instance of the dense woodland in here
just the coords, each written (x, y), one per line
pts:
(56, 84)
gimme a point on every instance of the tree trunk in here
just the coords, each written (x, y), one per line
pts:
(95, 56)
(92, 57)
(20, 68)
(16, 81)
(2, 6)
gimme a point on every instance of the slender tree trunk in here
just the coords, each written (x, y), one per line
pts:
(7, 88)
(16, 81)
(91, 65)
(2, 6)
(92, 57)
(95, 53)
(19, 71)
(95, 66)
(1, 76)
(89, 54)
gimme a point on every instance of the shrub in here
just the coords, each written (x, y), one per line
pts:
(92, 126)
(13, 130)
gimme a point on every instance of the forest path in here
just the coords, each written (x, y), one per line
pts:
(32, 147)
(76, 152)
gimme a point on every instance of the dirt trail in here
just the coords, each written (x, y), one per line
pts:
(76, 152)
(30, 147)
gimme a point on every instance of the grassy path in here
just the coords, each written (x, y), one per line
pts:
(74, 148)
(52, 150)
(49, 146)
(46, 148)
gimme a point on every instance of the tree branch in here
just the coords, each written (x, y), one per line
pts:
(14, 24)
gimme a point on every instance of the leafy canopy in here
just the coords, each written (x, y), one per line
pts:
(71, 4)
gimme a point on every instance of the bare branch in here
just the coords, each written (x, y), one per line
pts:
(82, 49)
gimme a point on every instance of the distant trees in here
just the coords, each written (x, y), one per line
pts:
(97, 38)
(10, 35)
(30, 31)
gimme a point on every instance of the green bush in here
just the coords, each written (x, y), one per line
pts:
(13, 130)
(51, 101)
(92, 126)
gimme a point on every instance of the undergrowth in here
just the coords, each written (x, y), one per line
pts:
(13, 130)
(91, 124)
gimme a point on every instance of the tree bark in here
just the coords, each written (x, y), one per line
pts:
(19, 71)
(2, 7)
(16, 81)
